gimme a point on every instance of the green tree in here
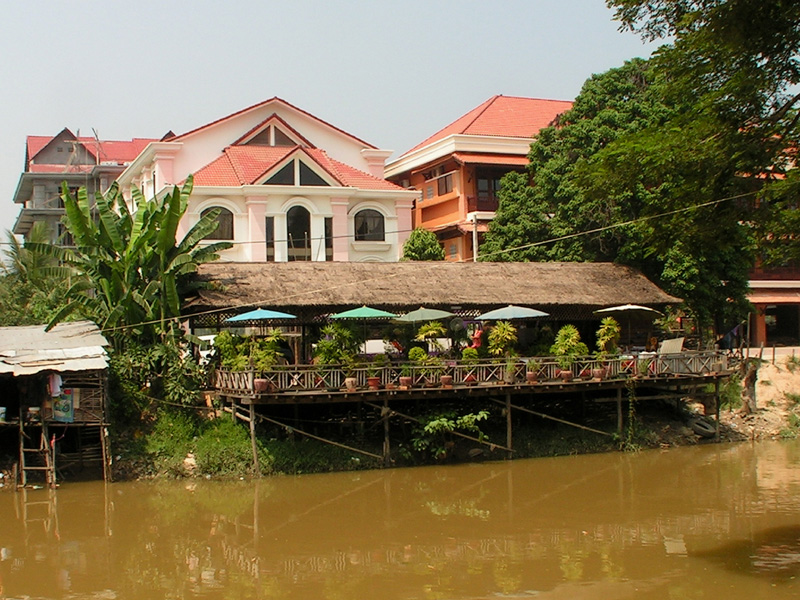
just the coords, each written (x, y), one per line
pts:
(551, 204)
(740, 60)
(31, 289)
(422, 245)
(620, 177)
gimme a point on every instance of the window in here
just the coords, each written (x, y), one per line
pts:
(369, 226)
(283, 177)
(328, 238)
(298, 229)
(286, 176)
(308, 177)
(269, 230)
(445, 184)
(224, 230)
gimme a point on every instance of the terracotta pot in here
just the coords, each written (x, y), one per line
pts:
(566, 375)
(469, 379)
(406, 382)
(447, 381)
(374, 383)
(531, 377)
(261, 385)
(350, 383)
(599, 373)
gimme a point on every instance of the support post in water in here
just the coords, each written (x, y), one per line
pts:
(385, 415)
(256, 467)
(508, 425)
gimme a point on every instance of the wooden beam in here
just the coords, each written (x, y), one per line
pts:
(316, 437)
(544, 416)
(456, 433)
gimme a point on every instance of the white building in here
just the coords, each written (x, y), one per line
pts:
(289, 185)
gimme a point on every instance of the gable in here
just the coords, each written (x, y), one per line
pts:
(273, 131)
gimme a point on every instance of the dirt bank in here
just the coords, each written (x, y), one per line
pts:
(777, 415)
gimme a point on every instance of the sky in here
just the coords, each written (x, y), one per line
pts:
(390, 73)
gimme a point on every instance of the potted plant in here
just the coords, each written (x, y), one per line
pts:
(406, 380)
(566, 346)
(565, 362)
(607, 345)
(469, 358)
(502, 338)
(532, 368)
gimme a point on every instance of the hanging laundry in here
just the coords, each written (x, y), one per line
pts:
(55, 384)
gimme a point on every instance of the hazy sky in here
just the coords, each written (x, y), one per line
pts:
(390, 73)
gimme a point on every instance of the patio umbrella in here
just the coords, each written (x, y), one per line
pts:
(630, 308)
(627, 309)
(511, 312)
(424, 314)
(363, 312)
(260, 314)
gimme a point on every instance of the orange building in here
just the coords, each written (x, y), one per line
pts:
(458, 169)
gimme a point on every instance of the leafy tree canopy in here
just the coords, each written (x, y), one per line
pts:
(31, 289)
(422, 245)
(740, 60)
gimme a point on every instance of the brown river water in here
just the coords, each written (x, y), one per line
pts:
(713, 521)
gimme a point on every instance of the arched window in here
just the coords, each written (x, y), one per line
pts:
(224, 230)
(369, 226)
(298, 229)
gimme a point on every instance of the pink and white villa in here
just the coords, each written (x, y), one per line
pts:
(290, 187)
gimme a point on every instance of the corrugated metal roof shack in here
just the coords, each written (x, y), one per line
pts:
(53, 388)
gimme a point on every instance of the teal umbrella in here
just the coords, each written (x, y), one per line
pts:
(364, 312)
(260, 314)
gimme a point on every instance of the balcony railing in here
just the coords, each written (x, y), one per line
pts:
(481, 204)
(332, 378)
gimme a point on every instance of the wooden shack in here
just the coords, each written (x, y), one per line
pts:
(53, 388)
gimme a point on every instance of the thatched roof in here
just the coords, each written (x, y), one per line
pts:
(331, 286)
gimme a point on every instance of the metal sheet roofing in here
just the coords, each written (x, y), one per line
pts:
(28, 350)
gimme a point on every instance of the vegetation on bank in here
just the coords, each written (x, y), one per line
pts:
(182, 442)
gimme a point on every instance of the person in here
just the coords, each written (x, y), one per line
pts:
(476, 339)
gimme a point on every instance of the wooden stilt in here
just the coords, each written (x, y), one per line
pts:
(256, 467)
(385, 416)
(509, 436)
(619, 411)
(716, 403)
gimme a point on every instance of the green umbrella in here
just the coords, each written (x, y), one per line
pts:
(363, 312)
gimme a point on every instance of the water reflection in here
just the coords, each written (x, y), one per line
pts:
(679, 524)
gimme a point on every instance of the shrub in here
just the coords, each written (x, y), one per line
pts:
(224, 448)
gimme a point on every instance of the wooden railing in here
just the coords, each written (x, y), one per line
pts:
(308, 378)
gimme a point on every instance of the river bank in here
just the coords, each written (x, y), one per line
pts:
(177, 445)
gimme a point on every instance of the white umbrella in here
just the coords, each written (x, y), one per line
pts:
(627, 309)
(511, 312)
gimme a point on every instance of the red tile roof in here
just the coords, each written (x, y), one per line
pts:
(248, 165)
(503, 116)
(115, 151)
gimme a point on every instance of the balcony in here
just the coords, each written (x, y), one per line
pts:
(487, 203)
